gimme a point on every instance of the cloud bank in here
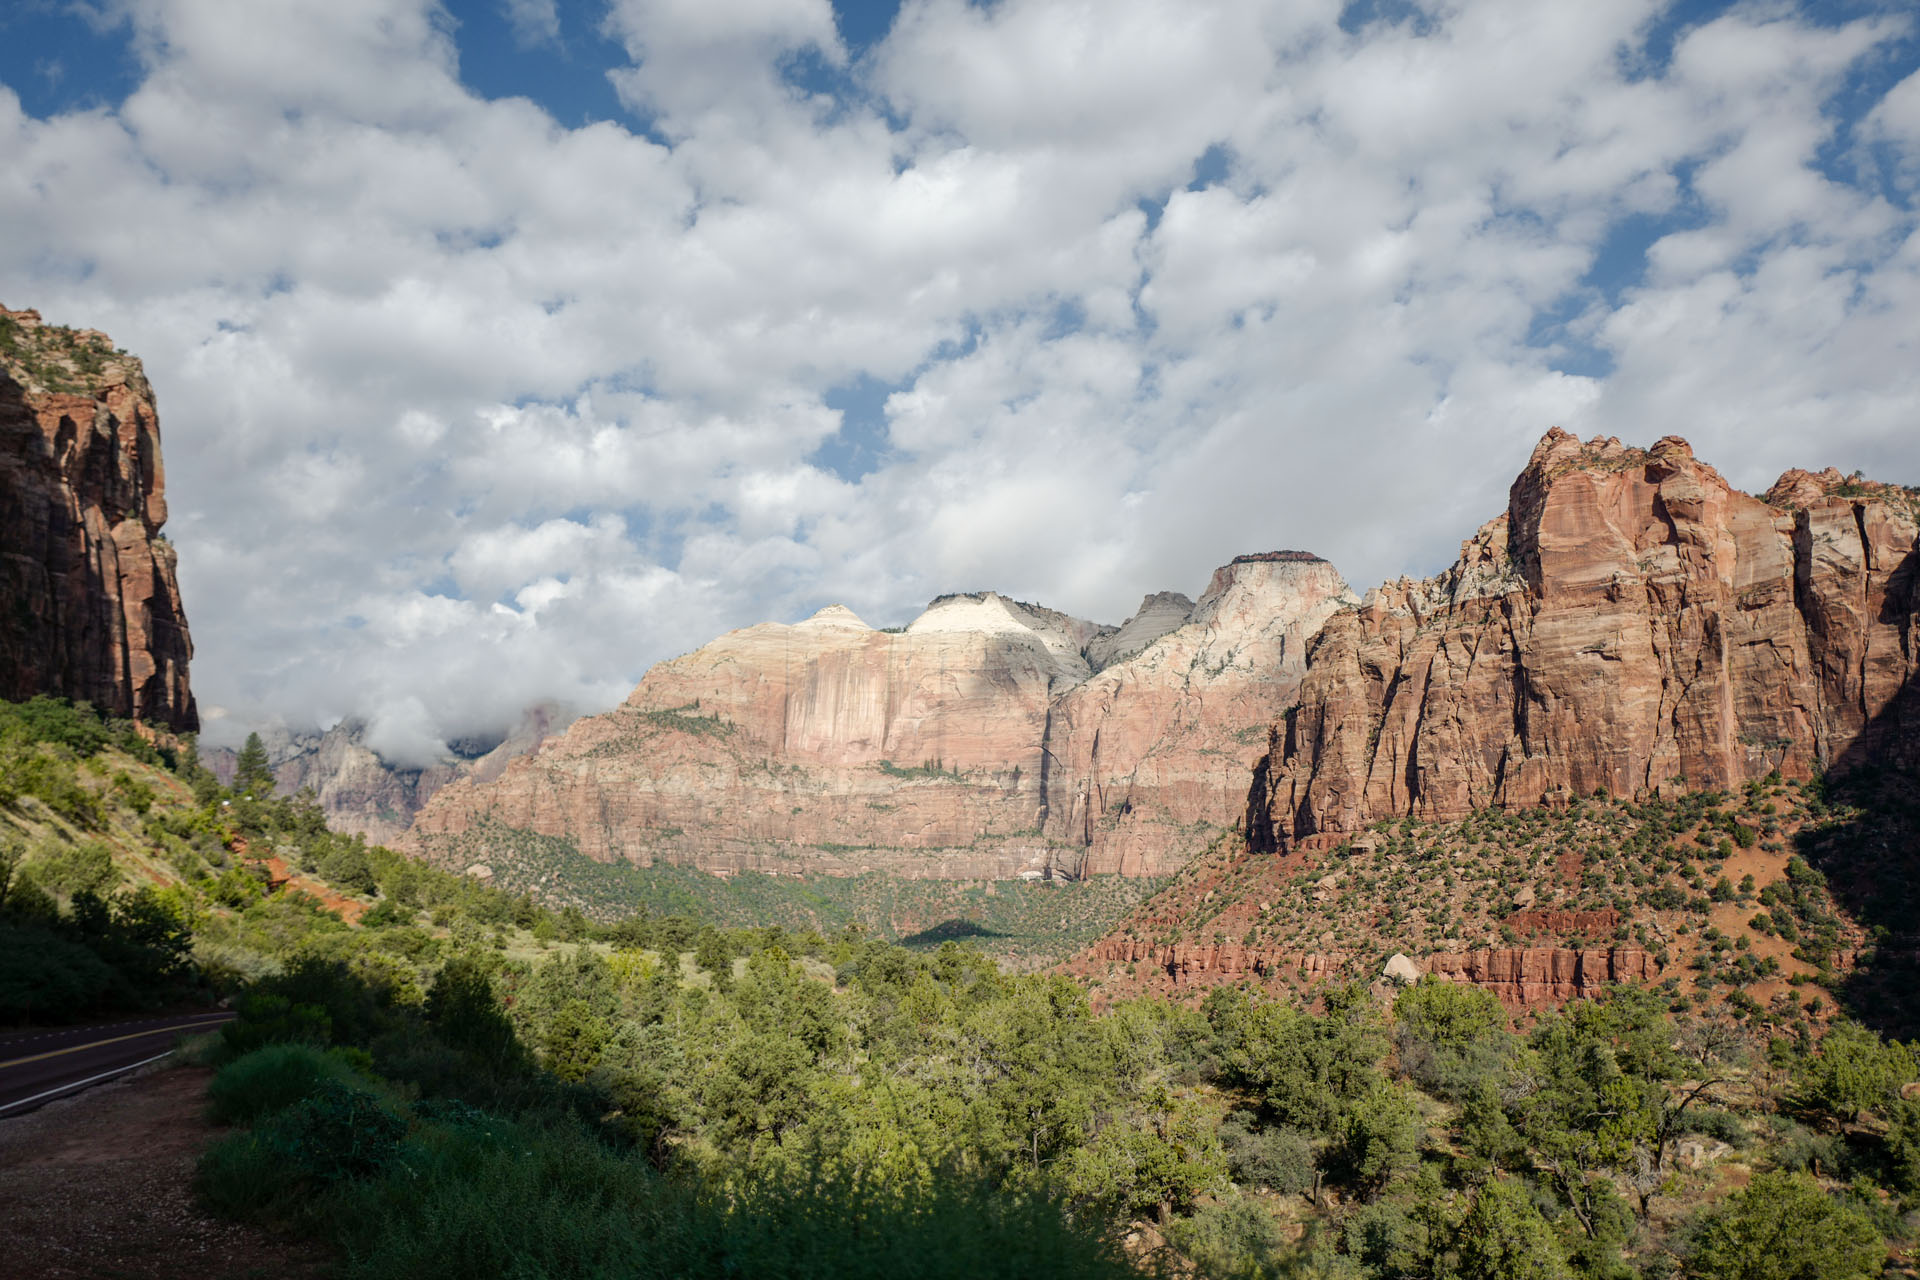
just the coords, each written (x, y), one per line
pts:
(466, 406)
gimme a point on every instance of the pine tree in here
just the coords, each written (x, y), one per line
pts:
(251, 774)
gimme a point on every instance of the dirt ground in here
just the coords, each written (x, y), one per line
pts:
(100, 1187)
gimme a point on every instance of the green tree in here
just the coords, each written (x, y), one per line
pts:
(1783, 1227)
(252, 775)
(1157, 1163)
(1855, 1071)
(462, 1008)
(1378, 1138)
(1307, 1069)
(575, 1037)
(1503, 1237)
(1448, 1036)
(347, 868)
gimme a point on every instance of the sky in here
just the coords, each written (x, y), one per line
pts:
(506, 347)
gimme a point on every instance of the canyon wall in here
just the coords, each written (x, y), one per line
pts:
(1630, 624)
(1164, 742)
(91, 604)
(988, 739)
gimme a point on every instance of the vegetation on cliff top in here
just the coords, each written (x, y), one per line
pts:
(54, 358)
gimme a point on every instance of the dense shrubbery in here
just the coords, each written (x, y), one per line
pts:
(467, 1083)
(832, 1086)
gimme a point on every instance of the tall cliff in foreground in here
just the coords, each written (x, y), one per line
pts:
(1631, 624)
(990, 738)
(89, 605)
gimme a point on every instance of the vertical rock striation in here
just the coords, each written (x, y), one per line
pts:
(1161, 745)
(1631, 624)
(989, 738)
(89, 605)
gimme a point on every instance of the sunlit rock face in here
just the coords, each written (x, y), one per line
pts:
(1631, 624)
(89, 604)
(989, 738)
(1162, 745)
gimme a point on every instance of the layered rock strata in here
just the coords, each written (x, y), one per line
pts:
(1630, 624)
(988, 739)
(1521, 977)
(91, 603)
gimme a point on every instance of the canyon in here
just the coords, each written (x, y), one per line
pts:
(93, 604)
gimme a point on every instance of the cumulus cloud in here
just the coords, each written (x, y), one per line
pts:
(466, 408)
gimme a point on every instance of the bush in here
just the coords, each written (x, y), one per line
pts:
(336, 1135)
(45, 976)
(86, 867)
(268, 1081)
(467, 1196)
(1279, 1159)
(1783, 1227)
(1235, 1239)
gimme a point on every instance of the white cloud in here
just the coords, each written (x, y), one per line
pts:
(464, 408)
(534, 22)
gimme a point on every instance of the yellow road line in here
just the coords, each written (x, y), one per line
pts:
(55, 1053)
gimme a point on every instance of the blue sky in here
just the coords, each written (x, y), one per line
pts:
(505, 347)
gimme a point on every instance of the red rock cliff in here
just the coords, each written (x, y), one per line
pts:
(979, 742)
(1632, 624)
(91, 606)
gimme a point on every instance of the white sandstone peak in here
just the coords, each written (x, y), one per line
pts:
(836, 615)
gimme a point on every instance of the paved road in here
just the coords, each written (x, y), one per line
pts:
(40, 1065)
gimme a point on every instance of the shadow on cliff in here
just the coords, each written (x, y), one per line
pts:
(949, 931)
(1872, 860)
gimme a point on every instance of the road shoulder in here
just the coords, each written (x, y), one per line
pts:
(101, 1184)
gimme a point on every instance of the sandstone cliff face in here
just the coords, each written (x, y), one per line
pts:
(1164, 743)
(977, 743)
(92, 608)
(1631, 624)
(361, 792)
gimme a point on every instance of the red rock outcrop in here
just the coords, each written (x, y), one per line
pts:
(977, 743)
(1530, 977)
(1521, 977)
(92, 608)
(1631, 624)
(1565, 924)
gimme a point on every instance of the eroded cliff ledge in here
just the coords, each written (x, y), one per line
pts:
(92, 608)
(1631, 624)
(988, 739)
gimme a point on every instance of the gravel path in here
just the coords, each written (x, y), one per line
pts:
(100, 1187)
